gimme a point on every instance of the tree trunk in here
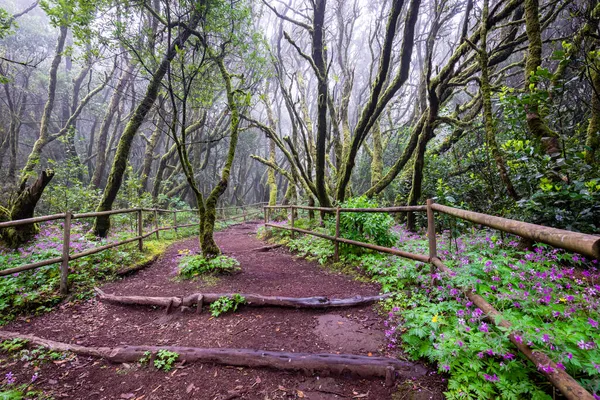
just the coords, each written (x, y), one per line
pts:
(149, 154)
(377, 160)
(324, 363)
(535, 122)
(34, 157)
(488, 117)
(319, 56)
(102, 140)
(251, 300)
(23, 207)
(102, 223)
(593, 131)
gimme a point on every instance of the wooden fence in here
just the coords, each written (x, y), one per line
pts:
(69, 216)
(588, 245)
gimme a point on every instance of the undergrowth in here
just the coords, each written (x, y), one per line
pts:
(37, 291)
(16, 384)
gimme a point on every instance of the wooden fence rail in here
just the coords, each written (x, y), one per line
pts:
(588, 245)
(68, 217)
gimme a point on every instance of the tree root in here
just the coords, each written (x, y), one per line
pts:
(254, 300)
(336, 364)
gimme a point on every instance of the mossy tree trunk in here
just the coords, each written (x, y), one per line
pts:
(593, 130)
(535, 121)
(23, 207)
(28, 196)
(377, 155)
(384, 87)
(208, 244)
(115, 178)
(488, 117)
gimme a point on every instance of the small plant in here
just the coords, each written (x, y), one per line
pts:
(145, 359)
(165, 359)
(226, 304)
(13, 345)
(193, 266)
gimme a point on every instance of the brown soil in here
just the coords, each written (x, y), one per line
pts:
(357, 330)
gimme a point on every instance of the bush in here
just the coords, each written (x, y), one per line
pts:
(375, 228)
(193, 266)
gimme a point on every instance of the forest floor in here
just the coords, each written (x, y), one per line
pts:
(357, 330)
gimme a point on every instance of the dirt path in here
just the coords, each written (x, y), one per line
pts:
(356, 330)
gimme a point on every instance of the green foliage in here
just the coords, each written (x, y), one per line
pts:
(372, 228)
(6, 23)
(145, 359)
(13, 344)
(191, 266)
(165, 360)
(226, 304)
(549, 305)
(36, 291)
(312, 247)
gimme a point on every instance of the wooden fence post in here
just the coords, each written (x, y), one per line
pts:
(175, 221)
(336, 254)
(292, 221)
(140, 228)
(431, 237)
(156, 223)
(64, 266)
(266, 212)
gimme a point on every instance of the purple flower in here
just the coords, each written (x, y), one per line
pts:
(446, 367)
(545, 338)
(10, 378)
(593, 323)
(34, 377)
(491, 378)
(518, 339)
(546, 368)
(483, 327)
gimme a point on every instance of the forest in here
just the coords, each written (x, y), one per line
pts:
(433, 164)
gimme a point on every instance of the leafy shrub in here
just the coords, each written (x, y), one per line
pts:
(312, 247)
(165, 360)
(375, 228)
(226, 304)
(192, 266)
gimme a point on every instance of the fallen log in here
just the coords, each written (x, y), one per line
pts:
(323, 363)
(254, 300)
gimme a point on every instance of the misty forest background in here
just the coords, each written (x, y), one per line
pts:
(486, 105)
(128, 103)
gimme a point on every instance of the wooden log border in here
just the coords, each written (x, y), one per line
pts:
(323, 363)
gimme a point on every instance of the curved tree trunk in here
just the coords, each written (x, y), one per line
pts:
(102, 224)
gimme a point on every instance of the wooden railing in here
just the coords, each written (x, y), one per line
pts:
(588, 245)
(66, 242)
